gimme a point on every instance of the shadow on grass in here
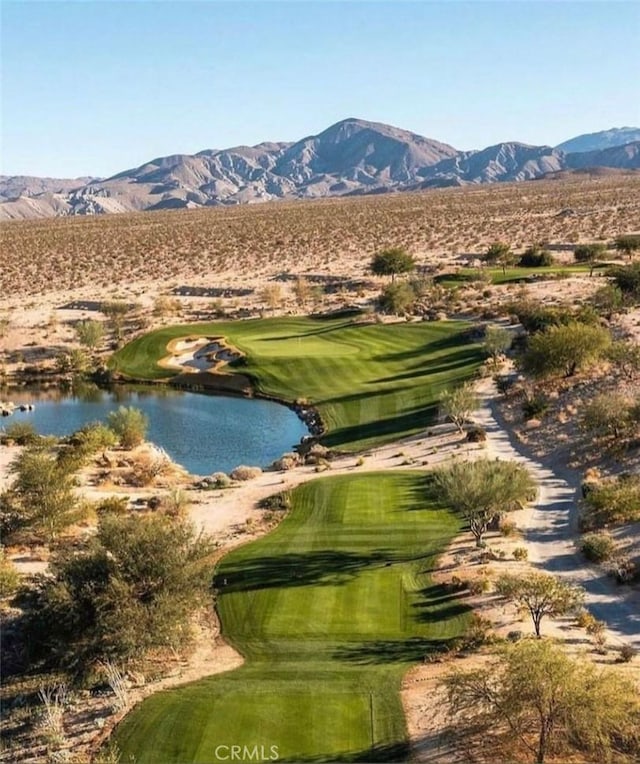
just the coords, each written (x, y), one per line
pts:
(326, 567)
(464, 357)
(391, 752)
(392, 651)
(400, 424)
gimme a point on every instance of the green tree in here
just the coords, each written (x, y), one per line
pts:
(458, 403)
(565, 349)
(540, 594)
(536, 257)
(397, 298)
(590, 253)
(625, 356)
(131, 590)
(628, 244)
(497, 340)
(42, 495)
(607, 415)
(627, 279)
(90, 333)
(499, 253)
(391, 262)
(483, 490)
(129, 424)
(533, 695)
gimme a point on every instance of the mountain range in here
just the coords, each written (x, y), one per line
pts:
(352, 157)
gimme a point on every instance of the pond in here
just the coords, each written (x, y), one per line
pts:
(203, 433)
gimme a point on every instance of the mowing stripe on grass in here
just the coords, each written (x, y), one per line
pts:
(329, 610)
(372, 383)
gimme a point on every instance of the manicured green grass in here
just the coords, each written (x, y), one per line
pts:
(329, 610)
(513, 275)
(371, 383)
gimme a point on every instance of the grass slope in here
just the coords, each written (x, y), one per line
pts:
(330, 610)
(514, 275)
(371, 382)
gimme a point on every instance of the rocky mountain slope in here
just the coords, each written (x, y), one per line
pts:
(351, 157)
(605, 139)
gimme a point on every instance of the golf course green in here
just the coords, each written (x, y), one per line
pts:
(371, 383)
(329, 611)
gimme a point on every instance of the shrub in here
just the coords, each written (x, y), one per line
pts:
(286, 462)
(130, 425)
(116, 505)
(477, 633)
(616, 501)
(536, 257)
(243, 472)
(479, 586)
(221, 479)
(277, 501)
(535, 406)
(627, 653)
(94, 437)
(597, 547)
(397, 298)
(565, 349)
(9, 578)
(476, 435)
(520, 554)
(508, 527)
(21, 433)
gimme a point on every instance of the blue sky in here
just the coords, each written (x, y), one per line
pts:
(97, 87)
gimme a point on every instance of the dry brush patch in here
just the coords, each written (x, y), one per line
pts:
(309, 237)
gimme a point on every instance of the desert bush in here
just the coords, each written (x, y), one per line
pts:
(479, 586)
(477, 633)
(458, 403)
(627, 279)
(625, 357)
(507, 527)
(565, 349)
(535, 406)
(42, 500)
(613, 501)
(175, 503)
(116, 505)
(221, 479)
(627, 244)
(132, 589)
(243, 472)
(536, 257)
(607, 415)
(397, 298)
(9, 577)
(476, 435)
(129, 424)
(147, 467)
(597, 547)
(520, 553)
(627, 653)
(278, 501)
(286, 462)
(93, 437)
(20, 433)
(89, 333)
(497, 340)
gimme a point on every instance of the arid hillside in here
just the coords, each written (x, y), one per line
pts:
(221, 246)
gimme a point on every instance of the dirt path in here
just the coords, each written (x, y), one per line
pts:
(550, 527)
